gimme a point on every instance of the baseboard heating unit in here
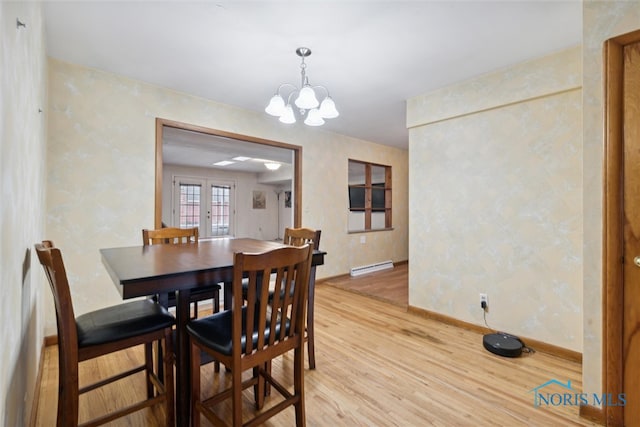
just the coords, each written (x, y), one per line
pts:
(364, 269)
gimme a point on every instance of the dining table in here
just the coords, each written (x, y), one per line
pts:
(139, 271)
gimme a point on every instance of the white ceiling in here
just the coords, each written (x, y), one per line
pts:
(186, 148)
(371, 55)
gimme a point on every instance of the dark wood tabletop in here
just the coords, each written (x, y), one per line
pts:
(148, 270)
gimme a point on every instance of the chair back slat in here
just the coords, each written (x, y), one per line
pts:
(169, 235)
(250, 315)
(275, 304)
(283, 312)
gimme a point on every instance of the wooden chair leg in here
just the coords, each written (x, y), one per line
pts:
(236, 404)
(298, 384)
(258, 388)
(68, 394)
(148, 363)
(195, 385)
(267, 386)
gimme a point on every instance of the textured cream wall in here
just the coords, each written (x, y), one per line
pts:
(553, 74)
(22, 174)
(496, 201)
(101, 174)
(602, 20)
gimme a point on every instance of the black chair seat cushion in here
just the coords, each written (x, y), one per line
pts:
(122, 321)
(215, 331)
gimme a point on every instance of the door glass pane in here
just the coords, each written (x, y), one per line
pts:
(189, 205)
(220, 210)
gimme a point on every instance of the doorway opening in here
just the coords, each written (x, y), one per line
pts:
(194, 144)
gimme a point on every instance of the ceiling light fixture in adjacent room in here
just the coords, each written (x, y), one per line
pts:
(272, 166)
(223, 163)
(306, 99)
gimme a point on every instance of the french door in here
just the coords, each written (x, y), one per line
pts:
(204, 203)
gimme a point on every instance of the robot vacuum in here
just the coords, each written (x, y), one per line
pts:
(503, 344)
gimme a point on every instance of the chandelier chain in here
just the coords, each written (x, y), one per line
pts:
(303, 73)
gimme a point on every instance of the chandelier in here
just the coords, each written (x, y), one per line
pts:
(306, 100)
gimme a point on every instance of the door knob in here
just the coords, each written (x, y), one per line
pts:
(636, 260)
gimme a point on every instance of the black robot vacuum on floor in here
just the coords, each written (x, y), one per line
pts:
(503, 344)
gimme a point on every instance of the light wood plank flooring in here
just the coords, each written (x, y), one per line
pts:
(387, 285)
(377, 365)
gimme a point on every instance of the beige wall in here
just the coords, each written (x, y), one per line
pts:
(22, 163)
(101, 174)
(496, 201)
(602, 20)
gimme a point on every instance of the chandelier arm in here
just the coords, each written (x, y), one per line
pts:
(291, 94)
(285, 85)
(322, 87)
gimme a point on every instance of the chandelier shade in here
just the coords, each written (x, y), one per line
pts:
(314, 118)
(328, 109)
(276, 106)
(306, 99)
(287, 116)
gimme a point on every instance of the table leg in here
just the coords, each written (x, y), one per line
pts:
(183, 359)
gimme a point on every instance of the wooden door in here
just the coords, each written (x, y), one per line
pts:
(631, 233)
(621, 225)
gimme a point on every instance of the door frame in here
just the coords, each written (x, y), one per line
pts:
(613, 223)
(297, 163)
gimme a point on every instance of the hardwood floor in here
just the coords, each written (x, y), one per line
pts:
(387, 285)
(377, 365)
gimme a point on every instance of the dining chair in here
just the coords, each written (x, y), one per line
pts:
(102, 332)
(174, 235)
(298, 237)
(249, 336)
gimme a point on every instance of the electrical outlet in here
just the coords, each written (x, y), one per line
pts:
(484, 301)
